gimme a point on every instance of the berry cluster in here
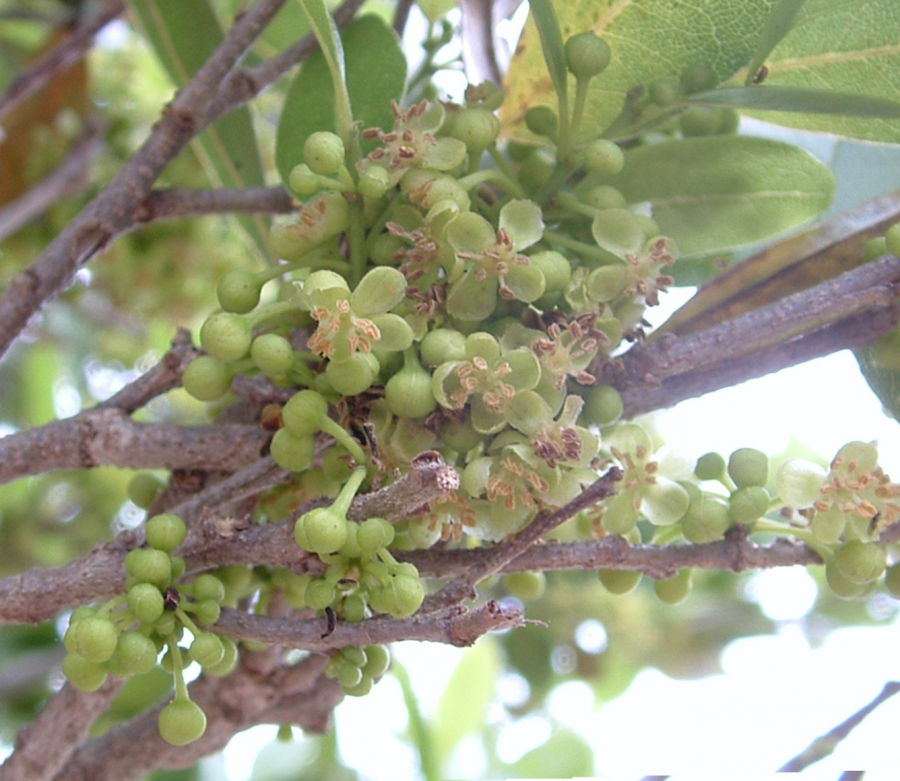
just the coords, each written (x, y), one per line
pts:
(126, 635)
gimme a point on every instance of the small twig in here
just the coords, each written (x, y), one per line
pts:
(68, 178)
(825, 744)
(176, 204)
(71, 49)
(463, 587)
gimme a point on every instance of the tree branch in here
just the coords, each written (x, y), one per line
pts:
(44, 746)
(849, 311)
(176, 204)
(825, 744)
(455, 626)
(71, 49)
(246, 698)
(112, 211)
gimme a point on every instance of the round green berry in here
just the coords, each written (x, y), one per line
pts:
(374, 534)
(542, 121)
(707, 520)
(664, 93)
(135, 653)
(700, 121)
(319, 594)
(748, 504)
(304, 412)
(842, 586)
(146, 601)
(603, 157)
(304, 181)
(321, 530)
(748, 466)
(858, 561)
(527, 586)
(323, 152)
(353, 608)
(96, 639)
(165, 532)
(229, 660)
(619, 581)
(587, 55)
(207, 612)
(83, 675)
(874, 248)
(603, 196)
(292, 452)
(354, 375)
(361, 689)
(226, 336)
(272, 354)
(710, 466)
(143, 489)
(675, 589)
(238, 292)
(477, 128)
(207, 649)
(206, 378)
(408, 393)
(373, 182)
(892, 240)
(181, 722)
(149, 565)
(208, 586)
(698, 78)
(378, 659)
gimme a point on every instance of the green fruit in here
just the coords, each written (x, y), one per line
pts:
(206, 378)
(96, 639)
(135, 653)
(354, 375)
(374, 534)
(604, 158)
(892, 240)
(292, 452)
(304, 412)
(146, 601)
(319, 594)
(226, 336)
(303, 181)
(477, 128)
(149, 565)
(842, 586)
(408, 393)
(710, 466)
(748, 466)
(207, 649)
(527, 586)
(207, 586)
(675, 589)
(321, 530)
(378, 659)
(858, 561)
(542, 121)
(229, 660)
(619, 581)
(353, 608)
(603, 196)
(700, 121)
(272, 354)
(586, 55)
(238, 292)
(207, 612)
(698, 78)
(143, 489)
(323, 152)
(181, 722)
(165, 532)
(707, 520)
(748, 504)
(83, 675)
(442, 345)
(361, 689)
(874, 248)
(603, 406)
(664, 93)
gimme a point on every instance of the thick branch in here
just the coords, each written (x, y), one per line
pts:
(849, 311)
(243, 700)
(107, 436)
(456, 626)
(44, 746)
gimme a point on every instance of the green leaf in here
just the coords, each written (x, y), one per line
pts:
(850, 46)
(551, 45)
(463, 706)
(647, 43)
(376, 73)
(880, 365)
(183, 36)
(330, 45)
(716, 193)
(800, 99)
(565, 755)
(778, 22)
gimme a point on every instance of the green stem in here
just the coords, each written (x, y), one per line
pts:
(185, 619)
(331, 427)
(494, 176)
(570, 203)
(581, 93)
(356, 234)
(268, 311)
(181, 692)
(580, 247)
(765, 526)
(348, 492)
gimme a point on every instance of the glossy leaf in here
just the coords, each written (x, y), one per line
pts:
(183, 36)
(376, 73)
(850, 46)
(333, 52)
(778, 22)
(716, 193)
(799, 99)
(647, 43)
